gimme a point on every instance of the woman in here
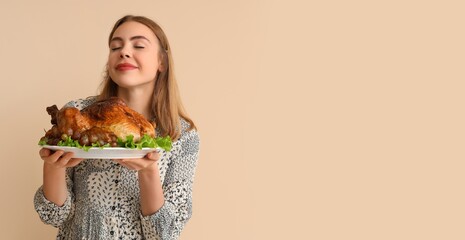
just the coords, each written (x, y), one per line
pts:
(148, 198)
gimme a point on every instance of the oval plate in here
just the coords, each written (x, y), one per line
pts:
(104, 153)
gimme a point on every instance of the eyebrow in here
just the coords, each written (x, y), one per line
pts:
(131, 39)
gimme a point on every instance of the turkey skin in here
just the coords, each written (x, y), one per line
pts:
(101, 123)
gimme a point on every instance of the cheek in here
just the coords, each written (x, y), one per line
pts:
(112, 58)
(110, 67)
(150, 63)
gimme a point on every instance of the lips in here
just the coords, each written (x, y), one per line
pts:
(125, 67)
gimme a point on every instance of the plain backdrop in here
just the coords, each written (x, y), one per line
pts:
(318, 119)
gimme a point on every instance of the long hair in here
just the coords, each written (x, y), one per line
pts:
(166, 103)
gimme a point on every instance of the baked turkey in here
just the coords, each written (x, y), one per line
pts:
(101, 123)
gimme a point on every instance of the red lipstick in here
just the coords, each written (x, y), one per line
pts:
(125, 67)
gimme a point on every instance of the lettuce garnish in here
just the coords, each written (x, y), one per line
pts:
(43, 141)
(145, 142)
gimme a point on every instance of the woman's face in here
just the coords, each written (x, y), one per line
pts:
(133, 60)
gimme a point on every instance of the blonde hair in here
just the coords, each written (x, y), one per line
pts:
(166, 100)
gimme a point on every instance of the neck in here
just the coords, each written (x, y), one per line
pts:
(139, 100)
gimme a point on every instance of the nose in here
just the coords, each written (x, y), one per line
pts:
(124, 53)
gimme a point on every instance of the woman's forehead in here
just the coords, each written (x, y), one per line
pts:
(134, 30)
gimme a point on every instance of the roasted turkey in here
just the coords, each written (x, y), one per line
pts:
(102, 123)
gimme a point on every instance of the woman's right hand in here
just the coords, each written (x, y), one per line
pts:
(55, 164)
(59, 159)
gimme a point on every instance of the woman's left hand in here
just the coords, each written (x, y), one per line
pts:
(138, 164)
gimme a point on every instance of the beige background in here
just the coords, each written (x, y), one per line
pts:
(318, 119)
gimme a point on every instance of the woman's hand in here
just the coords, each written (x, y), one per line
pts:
(146, 164)
(59, 159)
(54, 182)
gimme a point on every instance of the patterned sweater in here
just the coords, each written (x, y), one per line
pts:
(103, 196)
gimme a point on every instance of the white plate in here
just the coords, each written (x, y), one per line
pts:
(104, 153)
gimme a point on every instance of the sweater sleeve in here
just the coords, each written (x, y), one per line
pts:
(49, 212)
(169, 220)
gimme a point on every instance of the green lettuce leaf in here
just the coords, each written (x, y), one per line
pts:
(43, 141)
(145, 142)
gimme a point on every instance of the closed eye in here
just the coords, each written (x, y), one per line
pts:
(115, 48)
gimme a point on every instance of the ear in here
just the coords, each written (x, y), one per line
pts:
(162, 67)
(163, 63)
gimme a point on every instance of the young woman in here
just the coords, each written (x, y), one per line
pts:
(148, 198)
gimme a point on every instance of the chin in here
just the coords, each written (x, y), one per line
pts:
(134, 83)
